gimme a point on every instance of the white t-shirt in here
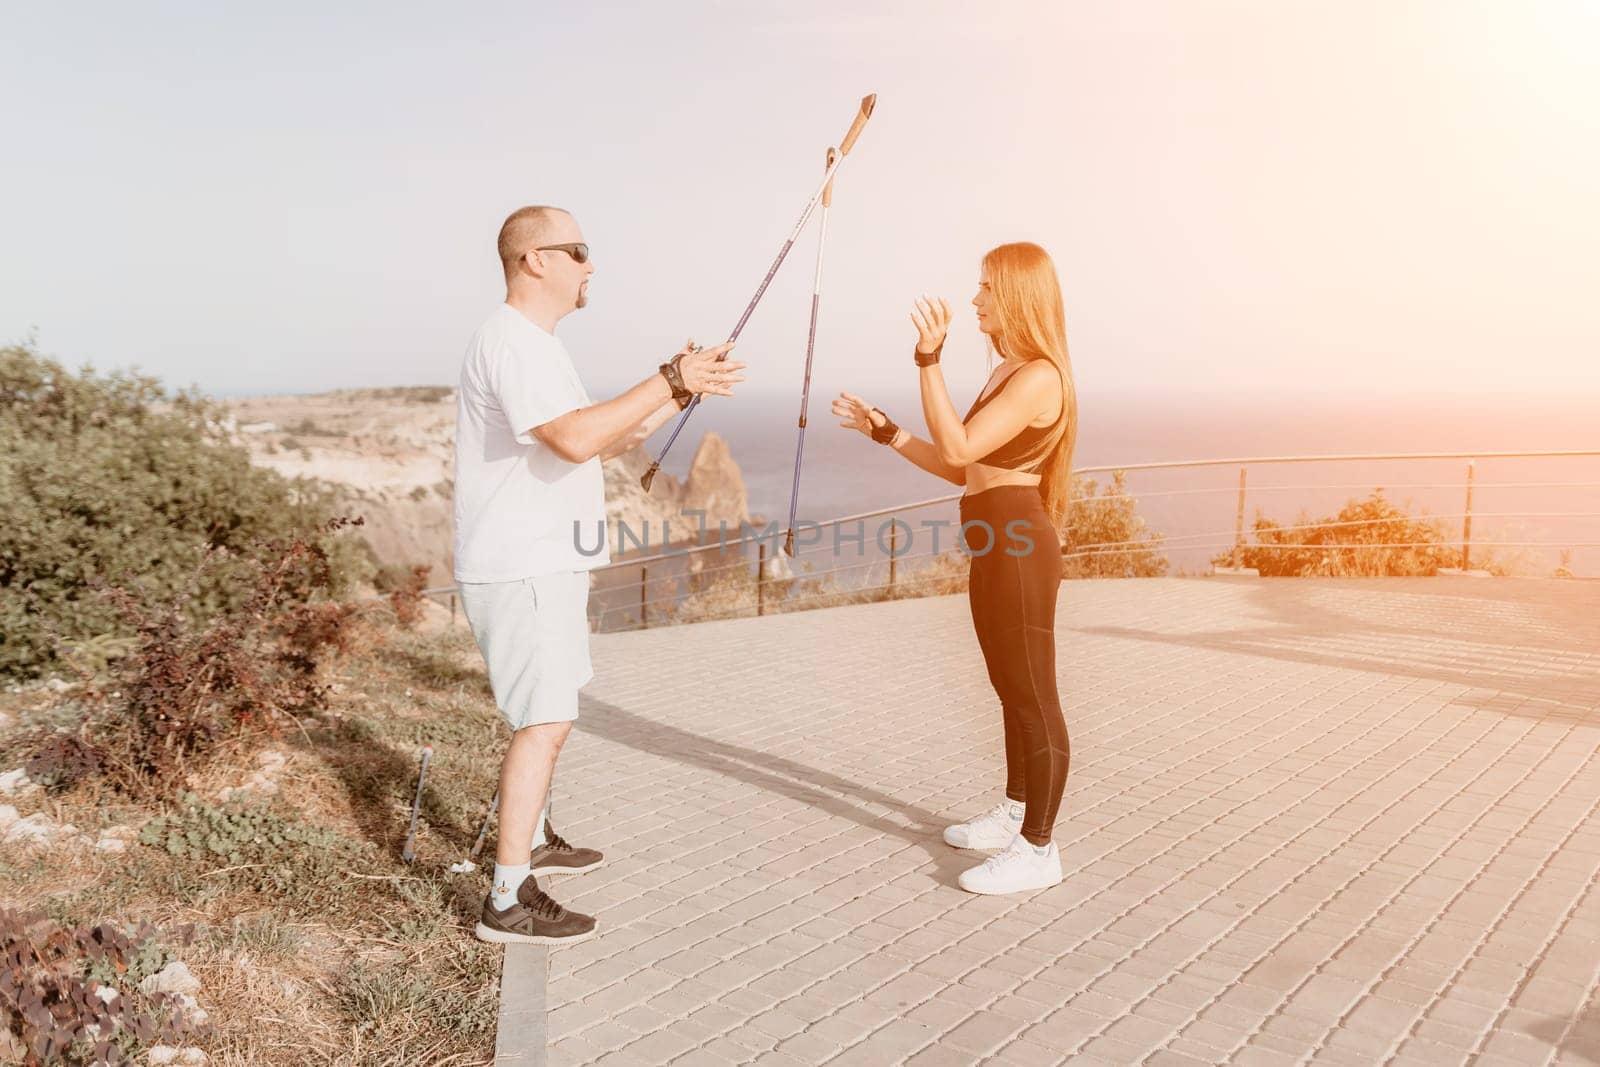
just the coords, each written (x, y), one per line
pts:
(516, 500)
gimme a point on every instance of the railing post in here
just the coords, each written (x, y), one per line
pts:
(1238, 526)
(761, 578)
(644, 603)
(1466, 520)
(894, 541)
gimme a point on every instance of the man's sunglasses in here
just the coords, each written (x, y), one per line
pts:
(577, 250)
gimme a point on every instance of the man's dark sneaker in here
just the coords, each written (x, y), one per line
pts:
(555, 856)
(535, 919)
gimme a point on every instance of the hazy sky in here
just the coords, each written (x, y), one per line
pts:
(1371, 197)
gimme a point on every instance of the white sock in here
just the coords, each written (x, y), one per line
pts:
(1038, 850)
(1015, 809)
(544, 818)
(507, 880)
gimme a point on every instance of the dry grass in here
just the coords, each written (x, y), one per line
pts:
(333, 951)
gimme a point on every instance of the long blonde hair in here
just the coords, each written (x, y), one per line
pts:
(1033, 325)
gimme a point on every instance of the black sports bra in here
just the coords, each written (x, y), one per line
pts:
(1019, 446)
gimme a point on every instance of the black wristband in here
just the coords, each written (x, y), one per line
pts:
(886, 433)
(680, 392)
(929, 359)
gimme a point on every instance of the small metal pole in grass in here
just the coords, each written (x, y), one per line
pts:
(452, 608)
(1466, 520)
(1238, 526)
(761, 579)
(408, 852)
(469, 862)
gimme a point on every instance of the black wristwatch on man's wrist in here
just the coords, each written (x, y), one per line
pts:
(886, 433)
(674, 376)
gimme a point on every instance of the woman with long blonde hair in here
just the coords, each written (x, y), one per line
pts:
(1013, 453)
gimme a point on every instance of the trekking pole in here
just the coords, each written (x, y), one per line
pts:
(864, 112)
(477, 846)
(811, 344)
(409, 852)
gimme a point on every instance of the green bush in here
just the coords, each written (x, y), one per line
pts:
(262, 851)
(110, 480)
(1104, 536)
(1355, 543)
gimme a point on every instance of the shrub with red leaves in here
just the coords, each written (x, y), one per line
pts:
(50, 999)
(406, 597)
(185, 687)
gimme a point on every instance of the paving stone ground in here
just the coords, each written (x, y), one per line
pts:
(1342, 822)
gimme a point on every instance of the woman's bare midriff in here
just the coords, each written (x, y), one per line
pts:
(980, 477)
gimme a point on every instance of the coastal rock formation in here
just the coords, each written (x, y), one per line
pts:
(715, 485)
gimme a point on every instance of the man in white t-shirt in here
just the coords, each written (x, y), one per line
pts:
(529, 491)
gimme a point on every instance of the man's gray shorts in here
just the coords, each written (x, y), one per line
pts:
(534, 635)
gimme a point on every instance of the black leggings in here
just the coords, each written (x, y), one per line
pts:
(1012, 589)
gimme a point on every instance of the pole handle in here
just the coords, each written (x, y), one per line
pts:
(868, 102)
(827, 193)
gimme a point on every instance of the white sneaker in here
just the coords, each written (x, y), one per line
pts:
(993, 829)
(1018, 869)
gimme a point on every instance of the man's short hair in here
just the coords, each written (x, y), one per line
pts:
(524, 228)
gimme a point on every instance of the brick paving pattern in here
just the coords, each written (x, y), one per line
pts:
(1342, 822)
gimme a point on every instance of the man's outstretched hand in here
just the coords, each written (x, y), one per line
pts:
(705, 370)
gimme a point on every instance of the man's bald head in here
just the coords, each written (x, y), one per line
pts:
(527, 228)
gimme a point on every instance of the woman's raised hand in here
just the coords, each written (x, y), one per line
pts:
(854, 413)
(932, 318)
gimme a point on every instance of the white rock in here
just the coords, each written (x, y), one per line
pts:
(8, 817)
(195, 1057)
(106, 993)
(161, 1055)
(111, 844)
(57, 685)
(35, 829)
(14, 781)
(174, 978)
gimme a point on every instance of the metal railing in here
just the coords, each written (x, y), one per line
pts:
(763, 583)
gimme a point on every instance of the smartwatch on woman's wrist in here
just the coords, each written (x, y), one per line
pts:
(674, 376)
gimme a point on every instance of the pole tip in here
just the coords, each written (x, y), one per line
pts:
(788, 543)
(869, 102)
(649, 476)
